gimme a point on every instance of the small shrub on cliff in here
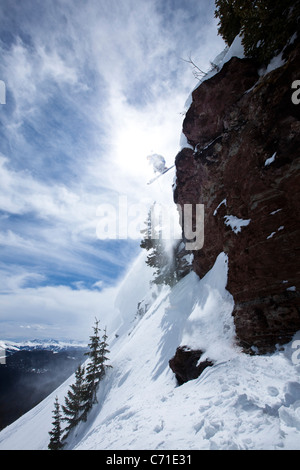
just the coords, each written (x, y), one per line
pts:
(266, 25)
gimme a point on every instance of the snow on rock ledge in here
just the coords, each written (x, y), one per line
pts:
(246, 135)
(211, 313)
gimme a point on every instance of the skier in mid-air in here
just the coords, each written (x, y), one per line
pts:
(159, 165)
(158, 162)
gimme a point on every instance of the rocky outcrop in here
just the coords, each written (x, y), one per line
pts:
(244, 168)
(186, 364)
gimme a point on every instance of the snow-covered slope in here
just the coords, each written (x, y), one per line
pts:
(242, 402)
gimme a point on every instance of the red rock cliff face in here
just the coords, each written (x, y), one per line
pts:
(245, 169)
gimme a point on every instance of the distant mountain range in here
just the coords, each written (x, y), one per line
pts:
(49, 344)
(30, 370)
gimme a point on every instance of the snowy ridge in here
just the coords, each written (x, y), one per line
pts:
(242, 402)
(51, 344)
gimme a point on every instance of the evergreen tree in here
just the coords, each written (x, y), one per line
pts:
(56, 433)
(164, 263)
(147, 240)
(96, 367)
(75, 401)
(266, 26)
(230, 23)
(157, 255)
(103, 355)
(170, 264)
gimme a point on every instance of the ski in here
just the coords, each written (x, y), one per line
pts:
(162, 173)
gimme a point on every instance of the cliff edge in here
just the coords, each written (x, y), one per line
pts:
(242, 163)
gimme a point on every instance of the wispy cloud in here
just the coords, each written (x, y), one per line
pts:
(58, 312)
(92, 88)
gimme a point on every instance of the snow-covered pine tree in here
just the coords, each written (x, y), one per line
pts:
(146, 241)
(103, 352)
(163, 262)
(170, 266)
(75, 401)
(56, 432)
(94, 372)
(157, 257)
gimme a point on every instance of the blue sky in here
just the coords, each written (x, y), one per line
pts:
(92, 87)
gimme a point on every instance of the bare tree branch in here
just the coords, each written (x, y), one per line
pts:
(197, 72)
